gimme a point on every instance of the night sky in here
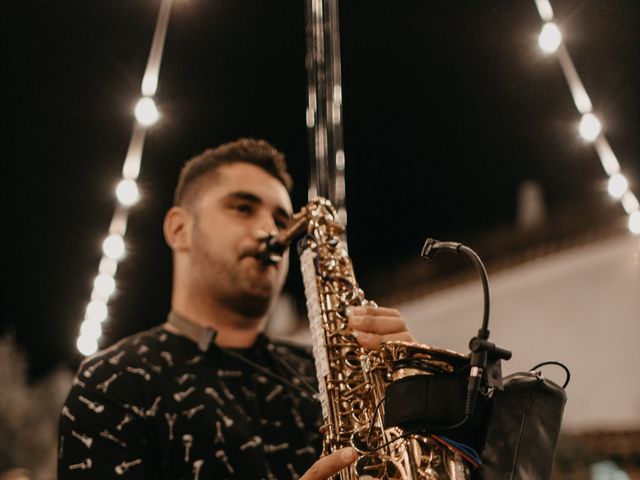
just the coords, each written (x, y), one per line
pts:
(448, 106)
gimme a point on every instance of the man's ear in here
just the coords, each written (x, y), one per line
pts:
(177, 228)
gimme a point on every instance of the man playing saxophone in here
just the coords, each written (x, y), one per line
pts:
(207, 395)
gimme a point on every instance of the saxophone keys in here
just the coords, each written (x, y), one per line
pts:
(370, 465)
(365, 440)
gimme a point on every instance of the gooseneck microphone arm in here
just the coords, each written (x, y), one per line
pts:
(432, 247)
(481, 348)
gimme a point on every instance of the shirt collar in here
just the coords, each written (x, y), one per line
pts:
(201, 336)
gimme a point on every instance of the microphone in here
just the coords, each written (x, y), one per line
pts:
(432, 247)
(483, 352)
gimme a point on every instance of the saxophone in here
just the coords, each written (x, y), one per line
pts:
(351, 379)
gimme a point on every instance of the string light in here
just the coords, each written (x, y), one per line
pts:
(97, 310)
(617, 185)
(127, 192)
(108, 266)
(550, 38)
(146, 111)
(146, 114)
(113, 247)
(104, 285)
(91, 328)
(590, 127)
(634, 222)
(630, 203)
(87, 344)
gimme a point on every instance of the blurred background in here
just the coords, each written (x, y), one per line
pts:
(457, 126)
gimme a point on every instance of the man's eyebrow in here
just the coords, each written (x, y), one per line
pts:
(242, 195)
(251, 198)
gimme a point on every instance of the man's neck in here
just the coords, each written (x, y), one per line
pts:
(236, 338)
(232, 329)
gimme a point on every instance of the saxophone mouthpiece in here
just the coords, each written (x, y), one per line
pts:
(273, 246)
(271, 250)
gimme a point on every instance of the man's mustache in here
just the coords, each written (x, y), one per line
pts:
(263, 253)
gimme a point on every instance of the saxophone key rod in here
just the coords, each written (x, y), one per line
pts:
(274, 245)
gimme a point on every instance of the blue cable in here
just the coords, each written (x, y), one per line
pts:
(465, 449)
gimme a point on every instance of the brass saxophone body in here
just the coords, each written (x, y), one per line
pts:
(352, 380)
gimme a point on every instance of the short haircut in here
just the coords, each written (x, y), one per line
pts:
(245, 150)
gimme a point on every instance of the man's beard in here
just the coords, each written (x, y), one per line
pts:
(234, 285)
(250, 306)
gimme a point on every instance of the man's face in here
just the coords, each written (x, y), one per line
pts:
(238, 205)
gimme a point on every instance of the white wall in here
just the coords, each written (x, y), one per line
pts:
(581, 307)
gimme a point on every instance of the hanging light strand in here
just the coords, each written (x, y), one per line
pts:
(127, 194)
(590, 126)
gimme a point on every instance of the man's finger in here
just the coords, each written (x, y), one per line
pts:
(402, 336)
(372, 341)
(373, 311)
(368, 340)
(331, 464)
(381, 324)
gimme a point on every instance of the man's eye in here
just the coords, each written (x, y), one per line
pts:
(242, 208)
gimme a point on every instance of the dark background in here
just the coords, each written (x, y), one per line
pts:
(448, 106)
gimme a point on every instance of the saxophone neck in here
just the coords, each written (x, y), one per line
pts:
(318, 210)
(299, 224)
(273, 246)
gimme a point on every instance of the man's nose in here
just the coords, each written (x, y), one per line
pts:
(266, 226)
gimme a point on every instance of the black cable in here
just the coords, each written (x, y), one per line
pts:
(414, 432)
(291, 370)
(561, 365)
(404, 435)
(308, 393)
(373, 420)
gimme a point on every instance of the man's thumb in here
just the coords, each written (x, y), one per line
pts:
(331, 464)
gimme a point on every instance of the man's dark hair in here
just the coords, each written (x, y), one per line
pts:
(245, 150)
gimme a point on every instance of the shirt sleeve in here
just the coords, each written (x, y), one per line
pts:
(103, 430)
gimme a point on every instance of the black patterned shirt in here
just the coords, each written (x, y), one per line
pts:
(155, 406)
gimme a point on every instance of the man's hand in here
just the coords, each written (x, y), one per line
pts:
(374, 325)
(331, 464)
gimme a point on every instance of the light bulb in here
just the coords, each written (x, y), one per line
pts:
(634, 223)
(87, 345)
(113, 246)
(590, 127)
(97, 310)
(127, 192)
(91, 328)
(105, 285)
(617, 185)
(550, 38)
(146, 111)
